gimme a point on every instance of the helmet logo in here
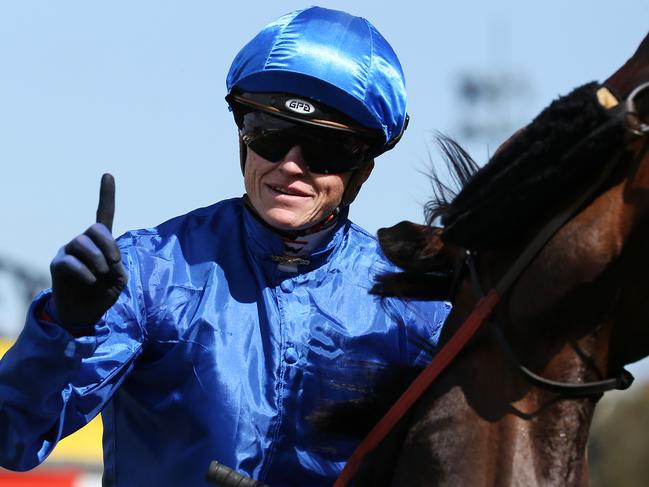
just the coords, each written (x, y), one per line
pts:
(299, 106)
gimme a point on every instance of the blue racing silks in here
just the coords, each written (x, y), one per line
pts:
(213, 353)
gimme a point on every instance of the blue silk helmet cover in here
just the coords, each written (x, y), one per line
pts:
(329, 56)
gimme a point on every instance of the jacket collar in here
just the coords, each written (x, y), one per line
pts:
(269, 245)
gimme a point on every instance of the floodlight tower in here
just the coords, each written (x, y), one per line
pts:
(492, 99)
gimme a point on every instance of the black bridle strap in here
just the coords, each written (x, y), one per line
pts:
(621, 382)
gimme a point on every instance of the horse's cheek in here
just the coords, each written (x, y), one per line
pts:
(577, 256)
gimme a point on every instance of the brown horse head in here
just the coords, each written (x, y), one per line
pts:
(577, 312)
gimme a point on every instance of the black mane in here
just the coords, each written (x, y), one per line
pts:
(536, 169)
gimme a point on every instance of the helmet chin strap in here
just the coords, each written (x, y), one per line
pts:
(243, 153)
(356, 180)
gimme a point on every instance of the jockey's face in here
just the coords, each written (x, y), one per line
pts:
(287, 195)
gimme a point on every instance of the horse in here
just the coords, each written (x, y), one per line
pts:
(556, 225)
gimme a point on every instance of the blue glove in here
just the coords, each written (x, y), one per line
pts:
(87, 273)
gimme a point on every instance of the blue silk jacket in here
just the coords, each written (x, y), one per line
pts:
(213, 353)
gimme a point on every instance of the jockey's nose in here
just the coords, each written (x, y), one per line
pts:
(293, 162)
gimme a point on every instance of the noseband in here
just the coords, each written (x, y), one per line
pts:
(632, 120)
(627, 115)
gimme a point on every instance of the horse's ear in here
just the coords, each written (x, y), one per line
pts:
(508, 142)
(415, 248)
(634, 72)
(428, 263)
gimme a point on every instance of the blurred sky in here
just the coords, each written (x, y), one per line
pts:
(136, 88)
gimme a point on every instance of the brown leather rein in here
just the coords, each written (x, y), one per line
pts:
(629, 117)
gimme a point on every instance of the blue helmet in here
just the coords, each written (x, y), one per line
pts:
(332, 58)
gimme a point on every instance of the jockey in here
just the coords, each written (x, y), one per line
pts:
(217, 334)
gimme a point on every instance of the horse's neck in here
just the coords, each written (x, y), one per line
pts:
(494, 431)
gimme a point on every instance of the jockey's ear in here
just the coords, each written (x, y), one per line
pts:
(358, 177)
(366, 171)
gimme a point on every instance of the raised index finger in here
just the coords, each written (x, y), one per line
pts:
(106, 208)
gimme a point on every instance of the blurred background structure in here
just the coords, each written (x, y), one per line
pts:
(619, 446)
(136, 89)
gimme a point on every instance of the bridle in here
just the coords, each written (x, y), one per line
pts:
(627, 115)
(630, 118)
(621, 381)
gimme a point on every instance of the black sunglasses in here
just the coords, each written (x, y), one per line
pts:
(325, 151)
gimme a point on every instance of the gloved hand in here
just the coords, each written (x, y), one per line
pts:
(87, 273)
